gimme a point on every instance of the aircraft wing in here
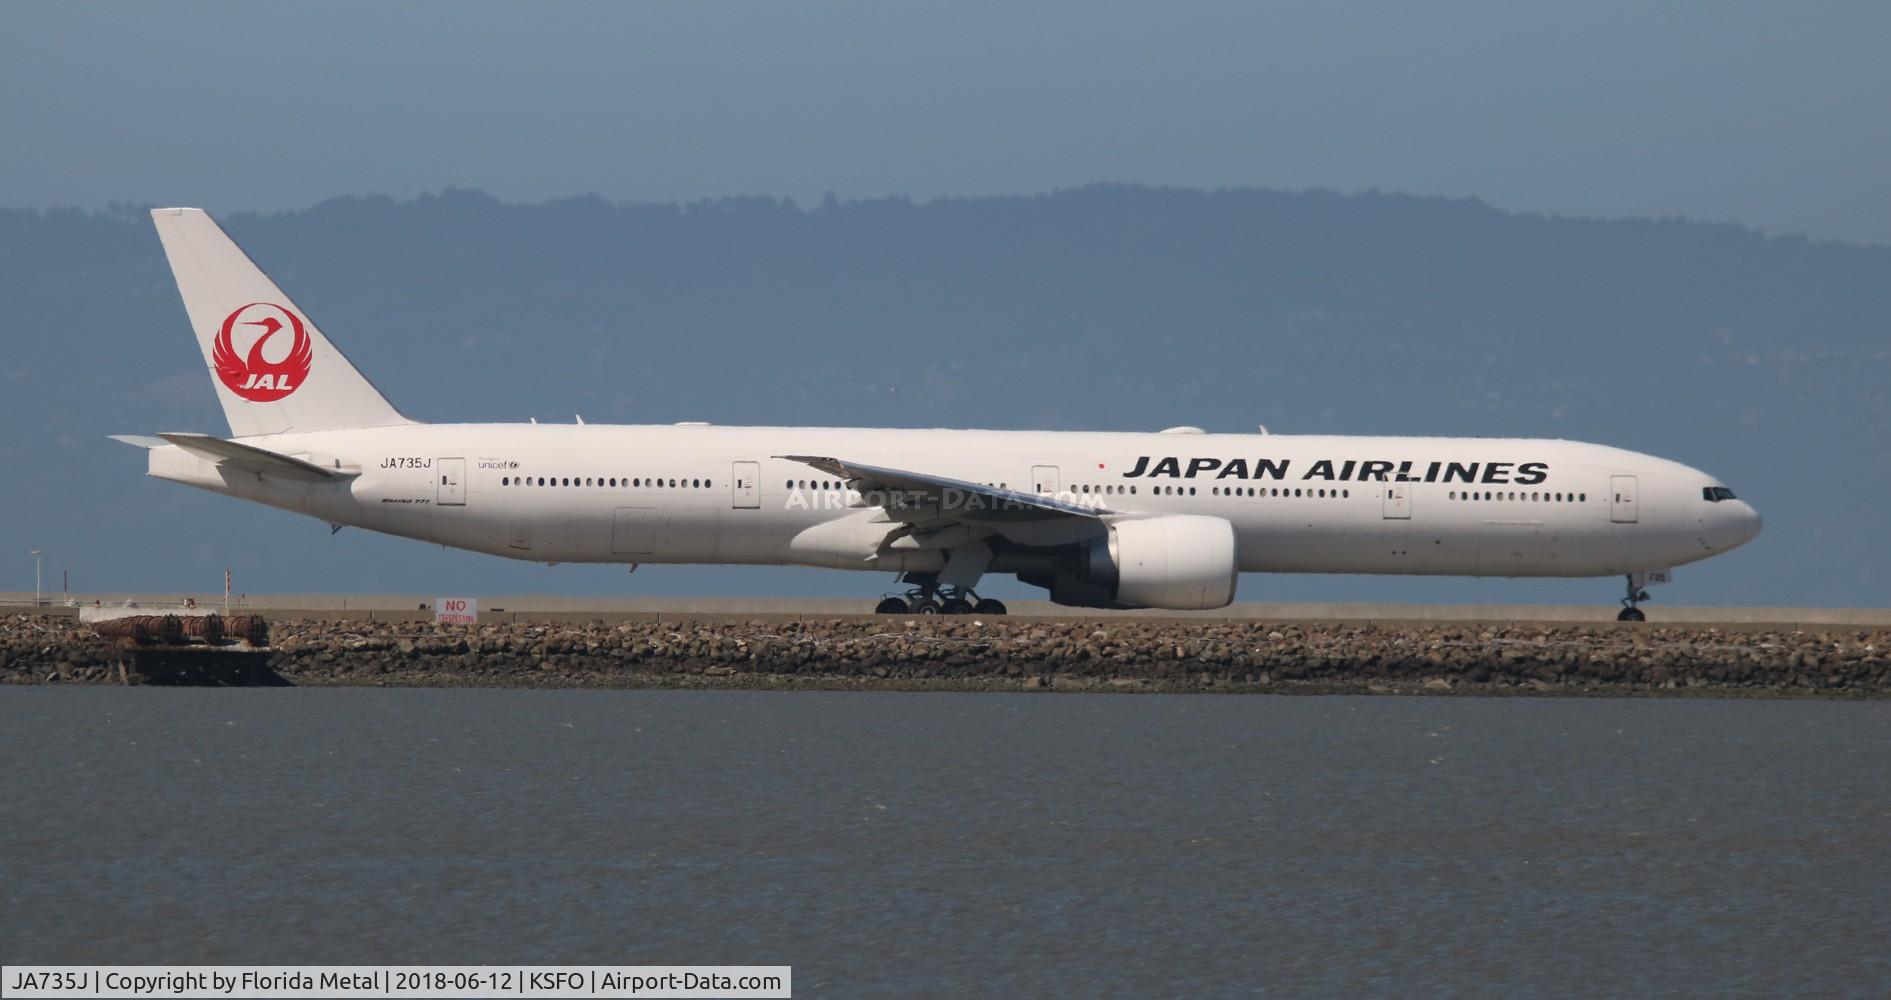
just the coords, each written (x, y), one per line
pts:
(919, 495)
(246, 457)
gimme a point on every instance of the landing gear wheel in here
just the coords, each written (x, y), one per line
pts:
(890, 606)
(988, 606)
(1636, 595)
(924, 606)
(956, 606)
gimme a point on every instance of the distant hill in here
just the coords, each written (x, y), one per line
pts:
(1764, 360)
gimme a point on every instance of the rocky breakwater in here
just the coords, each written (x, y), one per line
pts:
(1035, 654)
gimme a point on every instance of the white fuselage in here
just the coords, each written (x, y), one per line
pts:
(706, 494)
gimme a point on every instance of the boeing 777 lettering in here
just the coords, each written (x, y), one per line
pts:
(1103, 520)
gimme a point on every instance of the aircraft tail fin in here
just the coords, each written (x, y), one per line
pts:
(273, 371)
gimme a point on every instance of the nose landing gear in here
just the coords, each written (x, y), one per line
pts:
(1630, 611)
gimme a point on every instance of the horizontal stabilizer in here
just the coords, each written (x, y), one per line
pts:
(140, 440)
(250, 458)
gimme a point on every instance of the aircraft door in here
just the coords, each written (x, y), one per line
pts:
(1398, 502)
(452, 482)
(1622, 506)
(1044, 480)
(745, 482)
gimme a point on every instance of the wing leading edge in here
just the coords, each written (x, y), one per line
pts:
(943, 496)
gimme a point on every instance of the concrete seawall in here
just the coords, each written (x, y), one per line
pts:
(1124, 654)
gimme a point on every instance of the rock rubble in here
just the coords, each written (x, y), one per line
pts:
(1031, 654)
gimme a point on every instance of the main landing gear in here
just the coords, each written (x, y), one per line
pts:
(936, 600)
(1630, 612)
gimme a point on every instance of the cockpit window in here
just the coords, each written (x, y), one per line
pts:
(1715, 494)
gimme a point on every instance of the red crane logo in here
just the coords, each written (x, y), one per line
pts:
(253, 376)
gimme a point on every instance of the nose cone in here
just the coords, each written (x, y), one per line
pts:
(1734, 524)
(1750, 523)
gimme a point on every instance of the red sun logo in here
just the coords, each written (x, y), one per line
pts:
(253, 376)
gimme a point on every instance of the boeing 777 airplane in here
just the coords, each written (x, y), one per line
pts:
(1153, 520)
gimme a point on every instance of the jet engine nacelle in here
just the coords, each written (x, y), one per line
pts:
(1183, 562)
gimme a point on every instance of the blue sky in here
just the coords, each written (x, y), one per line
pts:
(1766, 114)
